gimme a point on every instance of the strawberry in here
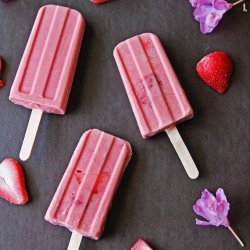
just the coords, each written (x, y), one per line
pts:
(12, 183)
(99, 1)
(215, 70)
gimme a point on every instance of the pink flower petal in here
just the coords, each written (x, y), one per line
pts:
(202, 223)
(209, 200)
(220, 195)
(209, 13)
(222, 5)
(201, 209)
(197, 3)
(208, 18)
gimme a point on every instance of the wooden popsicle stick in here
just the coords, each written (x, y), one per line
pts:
(30, 134)
(75, 241)
(182, 152)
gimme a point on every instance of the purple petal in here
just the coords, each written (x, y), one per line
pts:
(222, 5)
(222, 213)
(223, 208)
(220, 195)
(206, 195)
(208, 223)
(209, 199)
(201, 209)
(226, 223)
(215, 222)
(209, 13)
(214, 210)
(197, 3)
(208, 17)
(202, 223)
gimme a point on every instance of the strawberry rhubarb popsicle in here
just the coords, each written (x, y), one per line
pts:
(156, 96)
(44, 77)
(85, 193)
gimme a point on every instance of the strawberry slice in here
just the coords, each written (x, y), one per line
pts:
(141, 245)
(99, 1)
(215, 70)
(12, 182)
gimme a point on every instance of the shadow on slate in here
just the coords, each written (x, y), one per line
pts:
(118, 203)
(78, 83)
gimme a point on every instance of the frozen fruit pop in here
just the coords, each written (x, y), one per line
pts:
(85, 193)
(44, 77)
(156, 96)
(141, 245)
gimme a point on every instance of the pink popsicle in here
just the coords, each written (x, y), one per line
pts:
(141, 245)
(85, 193)
(155, 94)
(44, 77)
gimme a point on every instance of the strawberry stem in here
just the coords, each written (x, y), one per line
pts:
(236, 236)
(238, 2)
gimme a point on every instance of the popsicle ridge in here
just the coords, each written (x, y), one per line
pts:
(69, 65)
(150, 82)
(178, 91)
(105, 204)
(68, 176)
(26, 61)
(84, 196)
(130, 89)
(50, 52)
(94, 170)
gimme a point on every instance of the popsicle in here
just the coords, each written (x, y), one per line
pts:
(85, 193)
(45, 74)
(156, 96)
(141, 245)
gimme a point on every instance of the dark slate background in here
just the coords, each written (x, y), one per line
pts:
(155, 198)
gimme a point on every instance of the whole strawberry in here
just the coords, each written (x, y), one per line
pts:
(12, 182)
(215, 70)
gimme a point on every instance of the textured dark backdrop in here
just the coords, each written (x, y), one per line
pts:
(155, 198)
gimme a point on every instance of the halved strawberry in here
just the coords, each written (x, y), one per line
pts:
(215, 69)
(141, 245)
(99, 1)
(12, 182)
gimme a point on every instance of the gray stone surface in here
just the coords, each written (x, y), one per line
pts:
(155, 198)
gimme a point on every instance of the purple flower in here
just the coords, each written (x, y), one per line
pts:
(213, 209)
(209, 13)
